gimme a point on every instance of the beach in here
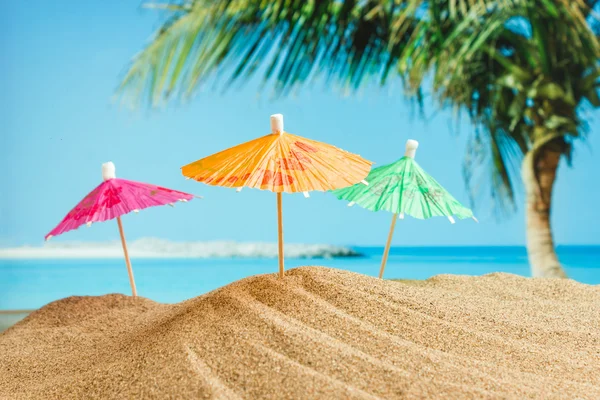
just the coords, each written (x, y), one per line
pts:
(318, 333)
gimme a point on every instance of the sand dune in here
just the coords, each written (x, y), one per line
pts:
(319, 333)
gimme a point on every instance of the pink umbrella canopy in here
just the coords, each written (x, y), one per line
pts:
(115, 197)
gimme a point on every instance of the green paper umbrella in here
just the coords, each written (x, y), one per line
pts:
(403, 187)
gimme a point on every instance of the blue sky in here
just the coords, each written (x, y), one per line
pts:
(61, 62)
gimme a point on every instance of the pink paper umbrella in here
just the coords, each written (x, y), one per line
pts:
(113, 198)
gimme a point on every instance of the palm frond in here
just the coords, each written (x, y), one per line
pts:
(289, 38)
(520, 69)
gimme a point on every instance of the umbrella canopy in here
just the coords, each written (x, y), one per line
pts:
(280, 162)
(113, 198)
(401, 188)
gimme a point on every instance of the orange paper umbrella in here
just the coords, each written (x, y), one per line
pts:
(280, 162)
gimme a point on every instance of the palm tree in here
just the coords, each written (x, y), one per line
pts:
(524, 71)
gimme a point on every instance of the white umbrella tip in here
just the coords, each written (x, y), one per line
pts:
(411, 148)
(277, 123)
(108, 171)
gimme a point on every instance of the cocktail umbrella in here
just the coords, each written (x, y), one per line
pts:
(403, 188)
(280, 162)
(113, 198)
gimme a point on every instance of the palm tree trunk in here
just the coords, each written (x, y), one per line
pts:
(539, 173)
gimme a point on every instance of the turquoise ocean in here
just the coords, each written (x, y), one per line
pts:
(32, 283)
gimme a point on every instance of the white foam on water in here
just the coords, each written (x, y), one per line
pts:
(161, 248)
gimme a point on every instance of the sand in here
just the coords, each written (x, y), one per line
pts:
(319, 333)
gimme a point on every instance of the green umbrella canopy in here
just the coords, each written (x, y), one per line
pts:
(403, 187)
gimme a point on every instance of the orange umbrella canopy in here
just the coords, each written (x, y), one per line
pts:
(280, 162)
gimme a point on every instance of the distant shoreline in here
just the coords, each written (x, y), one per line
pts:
(165, 249)
(11, 312)
(10, 317)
